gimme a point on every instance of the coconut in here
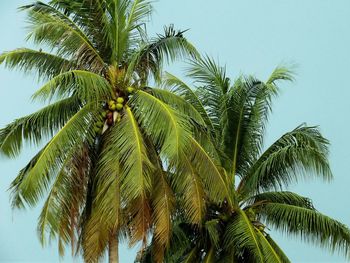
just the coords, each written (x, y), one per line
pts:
(113, 107)
(130, 90)
(110, 122)
(97, 129)
(120, 100)
(119, 106)
(110, 114)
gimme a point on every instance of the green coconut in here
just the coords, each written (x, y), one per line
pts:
(119, 106)
(104, 114)
(97, 129)
(120, 100)
(113, 107)
(130, 90)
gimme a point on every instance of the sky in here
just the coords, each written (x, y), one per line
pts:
(250, 37)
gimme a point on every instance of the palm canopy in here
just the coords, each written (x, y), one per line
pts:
(108, 135)
(236, 115)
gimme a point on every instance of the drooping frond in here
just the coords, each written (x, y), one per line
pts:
(37, 179)
(283, 257)
(133, 157)
(301, 152)
(87, 86)
(135, 175)
(192, 191)
(241, 234)
(309, 224)
(163, 204)
(152, 113)
(46, 65)
(270, 255)
(214, 178)
(60, 214)
(42, 124)
(104, 217)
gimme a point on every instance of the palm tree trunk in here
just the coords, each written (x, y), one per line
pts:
(113, 249)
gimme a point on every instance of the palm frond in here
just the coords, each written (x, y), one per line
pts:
(241, 234)
(86, 85)
(179, 104)
(310, 225)
(42, 124)
(37, 179)
(51, 27)
(301, 152)
(283, 257)
(150, 56)
(151, 114)
(284, 197)
(214, 178)
(180, 88)
(46, 65)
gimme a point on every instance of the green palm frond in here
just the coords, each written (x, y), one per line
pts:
(280, 73)
(152, 113)
(105, 215)
(179, 104)
(163, 204)
(37, 179)
(301, 152)
(86, 85)
(270, 255)
(150, 56)
(283, 257)
(180, 88)
(60, 214)
(206, 72)
(284, 197)
(42, 124)
(192, 191)
(46, 65)
(51, 27)
(97, 29)
(243, 123)
(214, 178)
(213, 85)
(240, 233)
(310, 225)
(136, 167)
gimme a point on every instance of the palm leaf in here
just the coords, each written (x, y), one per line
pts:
(40, 125)
(46, 65)
(310, 225)
(301, 152)
(86, 85)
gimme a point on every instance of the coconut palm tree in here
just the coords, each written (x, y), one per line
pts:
(236, 230)
(107, 136)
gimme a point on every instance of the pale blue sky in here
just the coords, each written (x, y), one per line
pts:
(250, 36)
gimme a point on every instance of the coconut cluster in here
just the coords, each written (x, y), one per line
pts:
(113, 112)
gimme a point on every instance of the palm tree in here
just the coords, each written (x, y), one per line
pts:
(236, 230)
(108, 136)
